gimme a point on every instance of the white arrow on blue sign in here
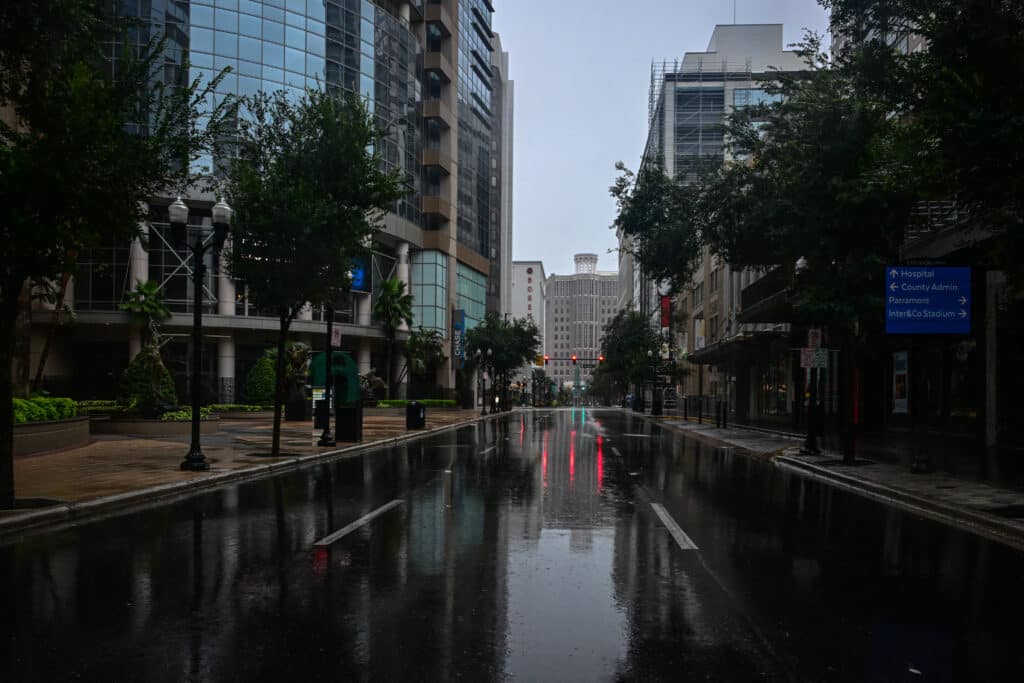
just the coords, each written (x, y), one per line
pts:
(927, 300)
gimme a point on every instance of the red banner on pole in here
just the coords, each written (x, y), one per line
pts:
(666, 310)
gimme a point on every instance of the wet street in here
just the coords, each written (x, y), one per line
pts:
(544, 546)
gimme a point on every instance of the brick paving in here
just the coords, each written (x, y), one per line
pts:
(112, 465)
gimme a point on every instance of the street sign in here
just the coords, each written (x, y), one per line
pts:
(459, 338)
(813, 358)
(814, 338)
(335, 336)
(927, 300)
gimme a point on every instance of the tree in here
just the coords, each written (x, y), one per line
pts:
(424, 353)
(959, 100)
(662, 219)
(146, 386)
(512, 344)
(392, 309)
(73, 172)
(309, 191)
(146, 306)
(627, 339)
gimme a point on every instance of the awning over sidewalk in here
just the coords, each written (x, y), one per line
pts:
(728, 349)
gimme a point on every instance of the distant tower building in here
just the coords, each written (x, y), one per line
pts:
(578, 308)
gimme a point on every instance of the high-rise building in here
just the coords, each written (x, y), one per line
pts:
(433, 72)
(578, 308)
(688, 103)
(528, 300)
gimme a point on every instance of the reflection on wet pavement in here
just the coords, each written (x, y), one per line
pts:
(523, 548)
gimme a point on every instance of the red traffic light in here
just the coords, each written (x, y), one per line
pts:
(574, 359)
(600, 359)
(547, 359)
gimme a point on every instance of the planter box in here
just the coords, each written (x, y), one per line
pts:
(137, 427)
(52, 435)
(247, 415)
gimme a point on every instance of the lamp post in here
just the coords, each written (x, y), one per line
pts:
(178, 217)
(326, 438)
(811, 443)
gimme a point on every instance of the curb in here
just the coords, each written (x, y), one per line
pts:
(73, 513)
(979, 523)
(983, 524)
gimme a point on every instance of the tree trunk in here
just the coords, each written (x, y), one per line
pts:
(282, 335)
(65, 278)
(8, 323)
(848, 396)
(387, 374)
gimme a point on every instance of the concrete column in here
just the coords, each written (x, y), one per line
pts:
(306, 313)
(363, 356)
(226, 291)
(138, 259)
(401, 390)
(402, 273)
(226, 369)
(363, 310)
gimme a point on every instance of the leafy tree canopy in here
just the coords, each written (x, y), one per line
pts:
(625, 344)
(512, 344)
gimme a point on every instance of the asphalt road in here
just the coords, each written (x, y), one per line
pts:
(545, 546)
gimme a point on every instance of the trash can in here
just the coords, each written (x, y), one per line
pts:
(348, 423)
(415, 415)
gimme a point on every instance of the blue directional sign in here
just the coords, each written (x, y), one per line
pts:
(927, 300)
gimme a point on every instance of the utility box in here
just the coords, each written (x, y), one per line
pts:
(415, 415)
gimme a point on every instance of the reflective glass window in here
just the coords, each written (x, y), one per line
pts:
(201, 16)
(295, 60)
(249, 68)
(273, 31)
(227, 20)
(273, 54)
(294, 37)
(272, 74)
(250, 7)
(228, 4)
(201, 39)
(315, 65)
(293, 19)
(227, 44)
(249, 26)
(249, 48)
(247, 87)
(315, 9)
(201, 59)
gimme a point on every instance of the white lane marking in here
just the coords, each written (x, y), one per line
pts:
(488, 450)
(682, 539)
(344, 531)
(639, 436)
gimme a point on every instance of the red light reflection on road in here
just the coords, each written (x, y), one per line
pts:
(544, 460)
(572, 458)
(600, 463)
(320, 558)
(522, 431)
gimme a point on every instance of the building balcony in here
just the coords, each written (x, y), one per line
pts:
(438, 62)
(438, 158)
(439, 14)
(437, 109)
(438, 207)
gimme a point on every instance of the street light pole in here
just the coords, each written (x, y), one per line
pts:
(178, 214)
(326, 438)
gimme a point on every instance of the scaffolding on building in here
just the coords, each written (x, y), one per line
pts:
(697, 69)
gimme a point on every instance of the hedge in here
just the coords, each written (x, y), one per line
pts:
(185, 415)
(42, 409)
(428, 402)
(259, 384)
(238, 408)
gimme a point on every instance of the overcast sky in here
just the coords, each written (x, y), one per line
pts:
(582, 71)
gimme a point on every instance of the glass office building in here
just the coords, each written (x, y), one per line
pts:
(424, 67)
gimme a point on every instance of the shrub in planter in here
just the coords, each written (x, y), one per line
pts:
(235, 408)
(427, 402)
(259, 383)
(185, 415)
(27, 411)
(40, 409)
(146, 386)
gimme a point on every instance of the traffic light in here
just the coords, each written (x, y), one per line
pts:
(600, 359)
(547, 359)
(574, 359)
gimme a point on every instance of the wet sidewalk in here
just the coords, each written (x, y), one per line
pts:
(991, 511)
(122, 470)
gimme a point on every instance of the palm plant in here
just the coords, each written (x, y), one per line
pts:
(146, 305)
(392, 309)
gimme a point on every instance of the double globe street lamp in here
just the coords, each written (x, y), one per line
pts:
(198, 240)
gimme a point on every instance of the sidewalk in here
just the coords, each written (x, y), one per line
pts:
(993, 512)
(115, 471)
